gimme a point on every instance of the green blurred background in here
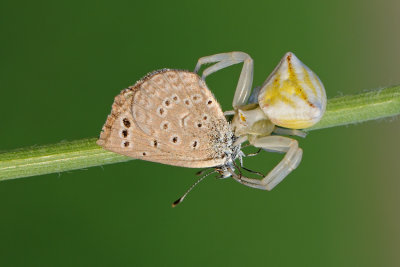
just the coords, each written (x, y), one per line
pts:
(62, 63)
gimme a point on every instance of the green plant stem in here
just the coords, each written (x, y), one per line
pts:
(66, 156)
(372, 105)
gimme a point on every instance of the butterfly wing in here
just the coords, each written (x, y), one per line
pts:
(170, 117)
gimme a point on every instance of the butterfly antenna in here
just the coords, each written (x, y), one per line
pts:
(179, 200)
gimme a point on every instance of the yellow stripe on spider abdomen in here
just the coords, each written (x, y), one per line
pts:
(293, 96)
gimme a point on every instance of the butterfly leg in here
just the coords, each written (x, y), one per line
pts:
(224, 60)
(290, 161)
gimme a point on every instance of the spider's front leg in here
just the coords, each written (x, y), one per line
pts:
(224, 60)
(290, 161)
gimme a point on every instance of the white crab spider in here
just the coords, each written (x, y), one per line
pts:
(292, 97)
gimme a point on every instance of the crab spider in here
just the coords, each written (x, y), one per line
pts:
(291, 98)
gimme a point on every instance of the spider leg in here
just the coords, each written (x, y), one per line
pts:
(229, 113)
(224, 60)
(290, 161)
(284, 131)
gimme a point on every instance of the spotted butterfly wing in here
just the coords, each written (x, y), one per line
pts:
(170, 117)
